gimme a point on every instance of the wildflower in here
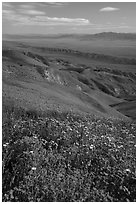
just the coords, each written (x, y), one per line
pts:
(5, 145)
(34, 136)
(127, 170)
(91, 146)
(33, 168)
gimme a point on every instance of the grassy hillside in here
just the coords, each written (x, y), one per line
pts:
(63, 157)
(69, 131)
(47, 78)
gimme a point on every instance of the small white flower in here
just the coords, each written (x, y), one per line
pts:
(33, 168)
(35, 136)
(92, 146)
(4, 145)
(121, 146)
(127, 170)
(31, 152)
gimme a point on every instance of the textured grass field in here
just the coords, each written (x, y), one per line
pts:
(64, 157)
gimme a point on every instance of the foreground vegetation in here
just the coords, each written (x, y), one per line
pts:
(66, 157)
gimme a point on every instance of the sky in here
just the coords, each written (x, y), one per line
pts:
(68, 17)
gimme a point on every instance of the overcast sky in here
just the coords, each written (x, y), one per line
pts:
(80, 17)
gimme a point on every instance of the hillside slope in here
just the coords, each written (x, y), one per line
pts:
(68, 126)
(42, 78)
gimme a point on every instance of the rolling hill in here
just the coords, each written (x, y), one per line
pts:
(68, 121)
(45, 78)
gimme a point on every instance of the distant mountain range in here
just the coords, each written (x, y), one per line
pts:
(103, 35)
(111, 36)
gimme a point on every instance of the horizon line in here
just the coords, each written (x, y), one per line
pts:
(68, 33)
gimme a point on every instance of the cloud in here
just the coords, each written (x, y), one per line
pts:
(33, 5)
(34, 17)
(67, 20)
(26, 6)
(6, 4)
(53, 4)
(28, 14)
(7, 12)
(108, 9)
(15, 18)
(101, 27)
(31, 12)
(54, 21)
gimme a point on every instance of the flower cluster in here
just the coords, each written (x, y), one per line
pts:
(68, 157)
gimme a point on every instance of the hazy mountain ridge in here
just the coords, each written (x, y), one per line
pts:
(103, 35)
(111, 36)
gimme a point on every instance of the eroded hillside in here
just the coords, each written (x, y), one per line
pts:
(32, 78)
